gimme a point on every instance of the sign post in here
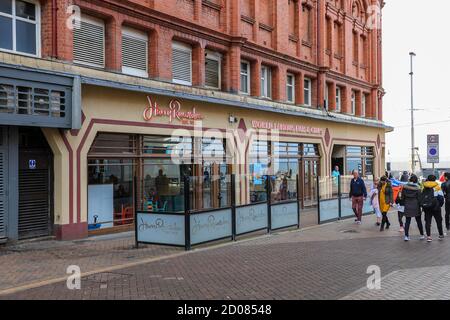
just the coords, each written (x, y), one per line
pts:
(433, 149)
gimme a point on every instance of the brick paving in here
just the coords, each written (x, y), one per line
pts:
(30, 262)
(327, 262)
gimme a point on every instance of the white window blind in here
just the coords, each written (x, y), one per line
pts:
(338, 99)
(181, 64)
(89, 42)
(212, 70)
(134, 52)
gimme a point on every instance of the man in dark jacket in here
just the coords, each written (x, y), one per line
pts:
(410, 199)
(358, 194)
(446, 190)
(404, 177)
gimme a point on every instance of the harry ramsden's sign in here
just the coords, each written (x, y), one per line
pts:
(269, 125)
(173, 112)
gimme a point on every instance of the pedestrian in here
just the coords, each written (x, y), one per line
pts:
(446, 190)
(336, 172)
(410, 198)
(385, 196)
(374, 201)
(404, 177)
(357, 194)
(401, 209)
(432, 202)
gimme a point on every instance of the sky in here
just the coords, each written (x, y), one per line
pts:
(418, 26)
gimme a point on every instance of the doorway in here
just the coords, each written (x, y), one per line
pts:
(35, 184)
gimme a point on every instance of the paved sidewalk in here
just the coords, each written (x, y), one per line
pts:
(326, 262)
(39, 261)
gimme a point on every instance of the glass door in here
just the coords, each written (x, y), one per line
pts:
(310, 173)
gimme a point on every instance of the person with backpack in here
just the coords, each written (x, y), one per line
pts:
(410, 198)
(432, 202)
(386, 200)
(401, 209)
(446, 190)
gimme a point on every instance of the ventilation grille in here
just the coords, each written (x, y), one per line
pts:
(89, 44)
(134, 53)
(34, 209)
(181, 66)
(212, 72)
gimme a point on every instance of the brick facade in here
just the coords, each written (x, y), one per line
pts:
(331, 42)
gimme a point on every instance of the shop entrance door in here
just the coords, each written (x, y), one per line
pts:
(310, 173)
(3, 181)
(35, 181)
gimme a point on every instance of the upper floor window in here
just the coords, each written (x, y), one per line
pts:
(363, 105)
(89, 42)
(353, 110)
(338, 99)
(245, 77)
(290, 88)
(326, 96)
(134, 52)
(213, 66)
(19, 26)
(307, 23)
(308, 92)
(266, 82)
(181, 63)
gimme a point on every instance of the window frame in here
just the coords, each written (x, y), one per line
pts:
(37, 23)
(326, 95)
(307, 91)
(187, 48)
(353, 103)
(290, 86)
(216, 56)
(98, 22)
(248, 70)
(266, 76)
(139, 35)
(363, 104)
(338, 99)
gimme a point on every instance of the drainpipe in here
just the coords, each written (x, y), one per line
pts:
(54, 29)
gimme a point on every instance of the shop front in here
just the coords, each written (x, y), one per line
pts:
(32, 105)
(135, 151)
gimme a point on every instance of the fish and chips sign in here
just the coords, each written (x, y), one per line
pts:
(172, 112)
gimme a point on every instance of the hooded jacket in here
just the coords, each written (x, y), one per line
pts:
(411, 196)
(386, 195)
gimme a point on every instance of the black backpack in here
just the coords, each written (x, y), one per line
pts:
(429, 201)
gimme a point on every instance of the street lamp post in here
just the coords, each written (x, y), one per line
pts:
(413, 143)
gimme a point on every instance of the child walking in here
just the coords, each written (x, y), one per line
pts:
(374, 201)
(385, 196)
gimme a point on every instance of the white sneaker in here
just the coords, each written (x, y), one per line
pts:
(406, 239)
(422, 238)
(359, 223)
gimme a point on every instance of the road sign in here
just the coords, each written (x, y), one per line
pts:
(433, 148)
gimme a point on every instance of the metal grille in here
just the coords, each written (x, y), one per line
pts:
(181, 65)
(34, 208)
(212, 73)
(32, 101)
(134, 53)
(89, 44)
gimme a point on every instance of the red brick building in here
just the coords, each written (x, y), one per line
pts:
(312, 62)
